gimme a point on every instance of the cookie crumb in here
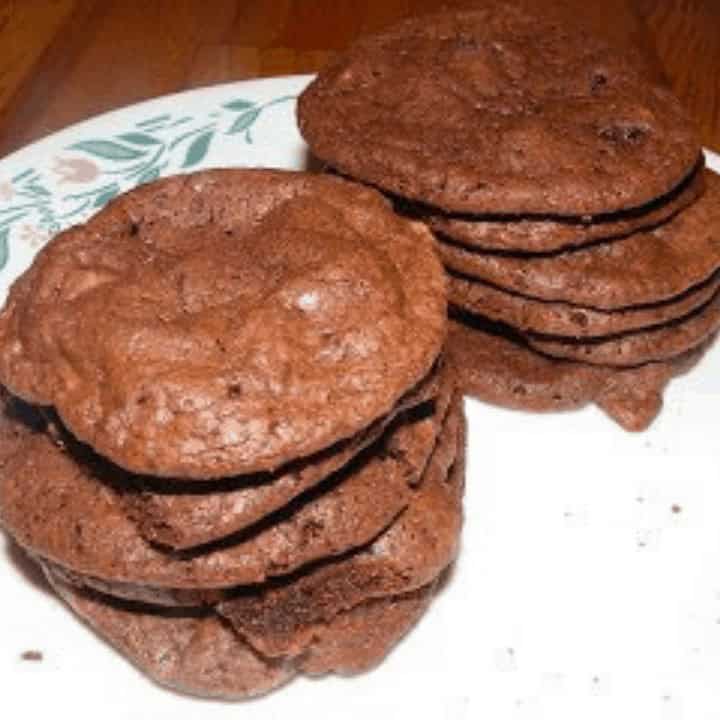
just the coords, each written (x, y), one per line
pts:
(32, 656)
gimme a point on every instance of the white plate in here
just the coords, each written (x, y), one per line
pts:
(589, 580)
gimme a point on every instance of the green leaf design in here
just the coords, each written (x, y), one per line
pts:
(108, 150)
(105, 197)
(149, 175)
(8, 221)
(239, 105)
(180, 121)
(4, 252)
(244, 121)
(23, 175)
(198, 149)
(181, 138)
(154, 120)
(15, 208)
(138, 138)
(36, 189)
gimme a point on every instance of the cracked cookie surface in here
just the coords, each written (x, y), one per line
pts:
(499, 109)
(227, 321)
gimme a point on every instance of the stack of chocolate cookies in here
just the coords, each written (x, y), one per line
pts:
(231, 441)
(566, 190)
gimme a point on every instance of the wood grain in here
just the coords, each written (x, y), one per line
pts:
(65, 60)
(687, 37)
(25, 29)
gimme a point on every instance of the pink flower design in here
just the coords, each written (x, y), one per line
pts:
(75, 170)
(33, 236)
(6, 191)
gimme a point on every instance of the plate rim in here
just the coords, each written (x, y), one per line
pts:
(37, 145)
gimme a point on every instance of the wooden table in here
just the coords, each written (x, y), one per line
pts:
(65, 60)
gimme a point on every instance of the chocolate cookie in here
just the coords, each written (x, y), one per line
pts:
(443, 452)
(414, 440)
(184, 515)
(657, 343)
(557, 318)
(198, 653)
(544, 234)
(665, 262)
(422, 542)
(226, 322)
(501, 371)
(504, 108)
(68, 509)
(356, 640)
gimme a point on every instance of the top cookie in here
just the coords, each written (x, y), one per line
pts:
(226, 322)
(499, 109)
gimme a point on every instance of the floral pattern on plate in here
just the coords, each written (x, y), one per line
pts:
(74, 180)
